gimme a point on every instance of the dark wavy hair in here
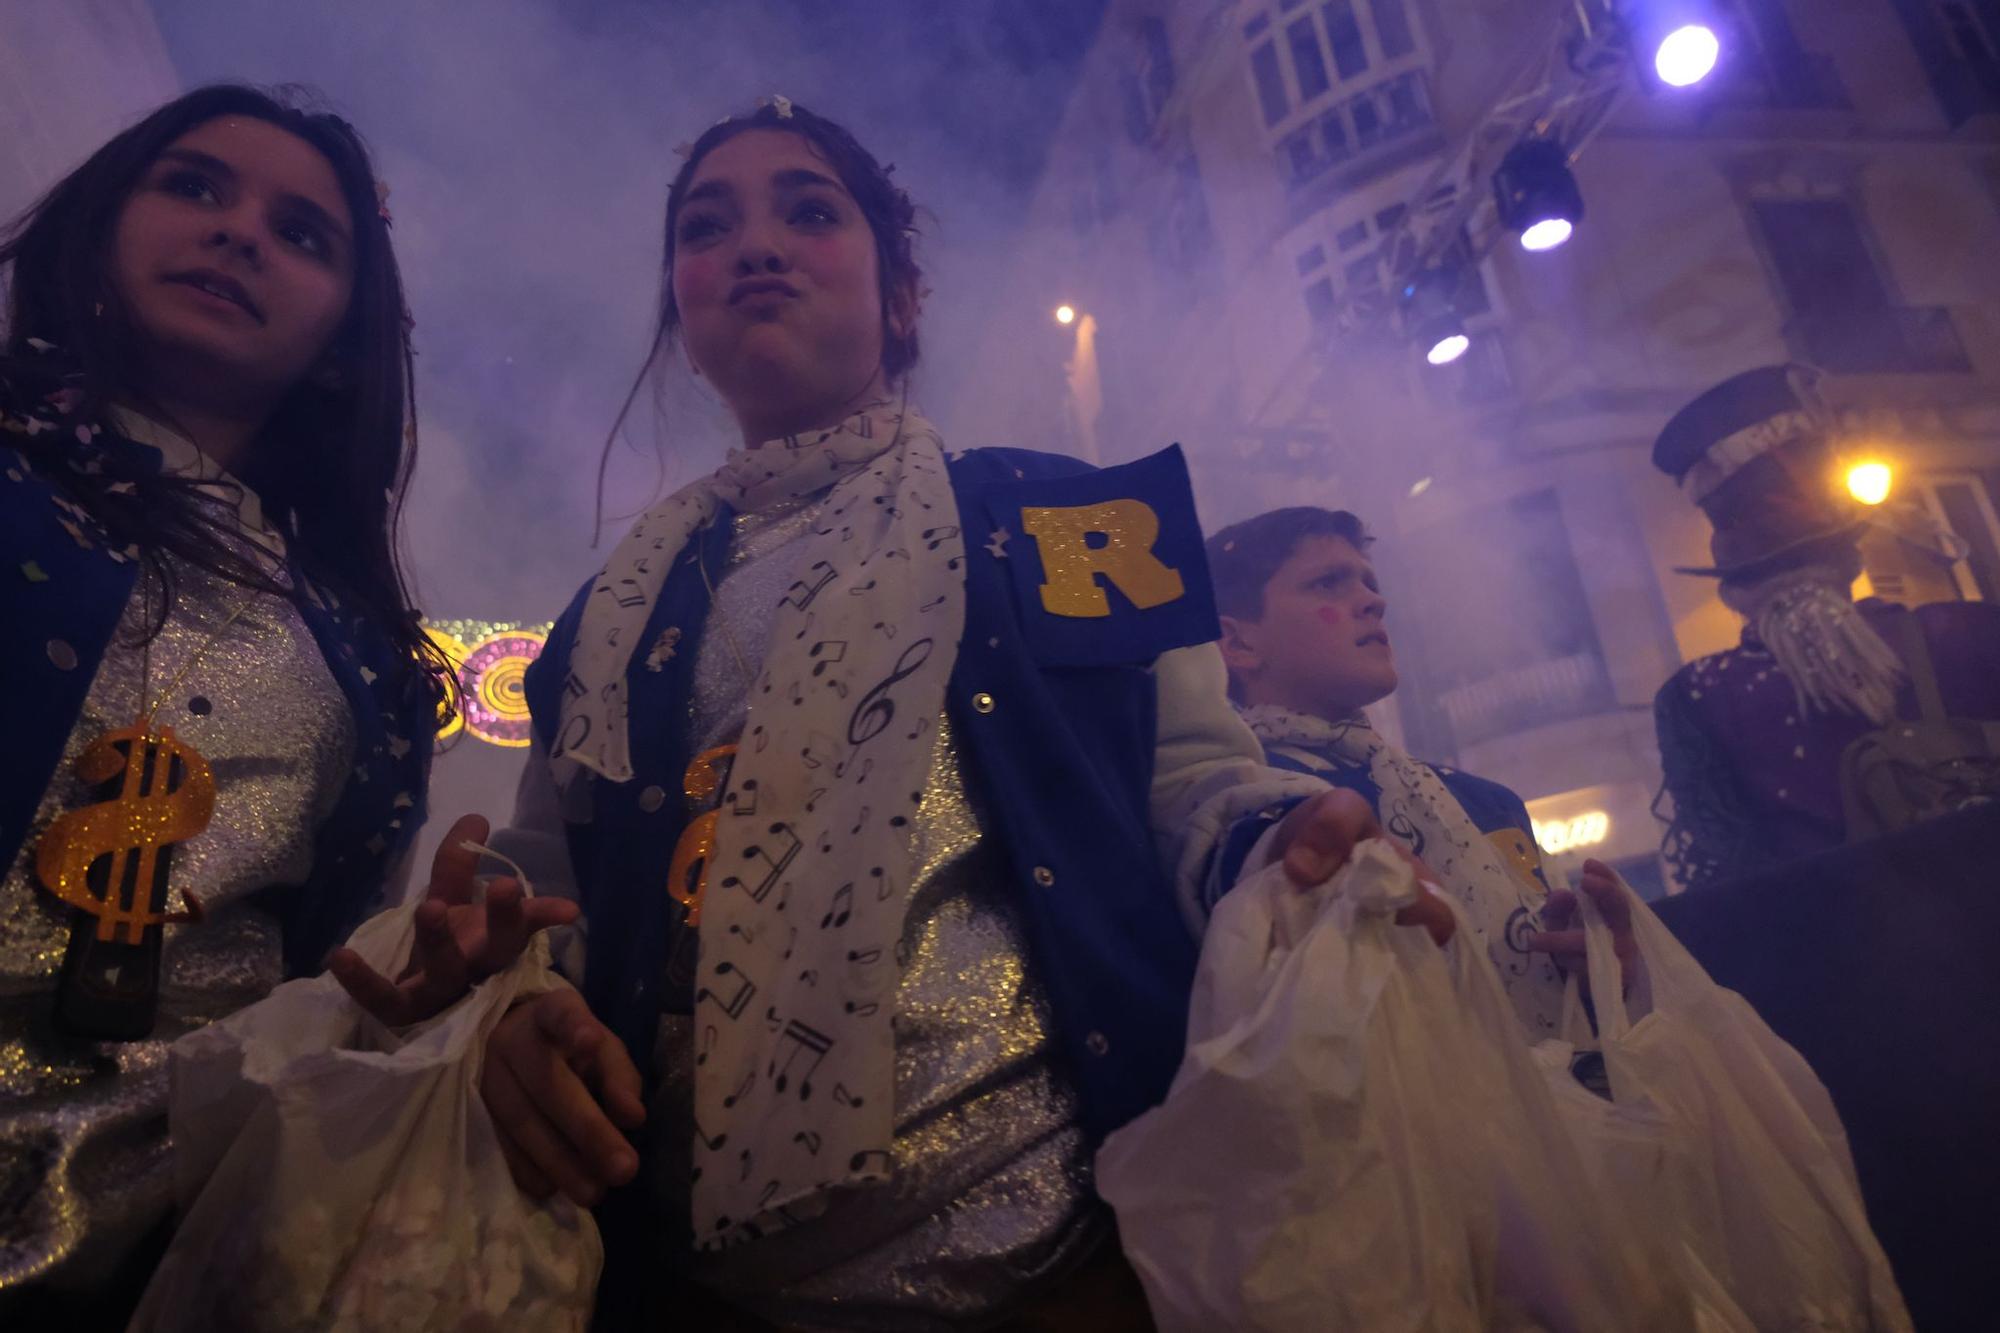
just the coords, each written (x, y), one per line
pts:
(892, 219)
(331, 466)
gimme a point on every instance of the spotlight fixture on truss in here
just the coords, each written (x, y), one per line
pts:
(1676, 36)
(1559, 98)
(1536, 195)
(1430, 316)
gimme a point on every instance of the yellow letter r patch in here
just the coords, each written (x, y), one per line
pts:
(1071, 562)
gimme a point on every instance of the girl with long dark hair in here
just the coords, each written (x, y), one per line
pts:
(220, 703)
(860, 757)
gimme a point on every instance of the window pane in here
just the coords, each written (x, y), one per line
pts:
(1334, 131)
(1470, 297)
(1270, 85)
(1367, 122)
(1392, 28)
(1312, 259)
(1349, 237)
(1961, 510)
(1307, 62)
(1389, 217)
(1343, 30)
(1406, 108)
(1298, 154)
(1817, 247)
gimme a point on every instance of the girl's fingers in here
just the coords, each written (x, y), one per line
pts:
(367, 987)
(516, 1104)
(506, 926)
(527, 1176)
(455, 864)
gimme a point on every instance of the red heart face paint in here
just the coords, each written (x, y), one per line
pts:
(1329, 614)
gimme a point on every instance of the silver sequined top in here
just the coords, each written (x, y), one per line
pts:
(84, 1156)
(992, 1198)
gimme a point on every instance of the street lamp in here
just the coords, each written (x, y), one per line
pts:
(1870, 482)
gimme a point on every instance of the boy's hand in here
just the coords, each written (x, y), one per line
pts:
(1563, 940)
(1316, 838)
(459, 942)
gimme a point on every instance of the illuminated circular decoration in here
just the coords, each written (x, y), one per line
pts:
(496, 707)
(451, 721)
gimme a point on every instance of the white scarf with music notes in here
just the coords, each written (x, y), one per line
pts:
(813, 853)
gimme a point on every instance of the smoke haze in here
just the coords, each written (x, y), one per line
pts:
(528, 145)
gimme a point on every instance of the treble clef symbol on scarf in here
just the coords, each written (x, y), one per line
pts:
(876, 708)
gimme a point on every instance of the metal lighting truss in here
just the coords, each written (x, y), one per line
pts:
(1563, 89)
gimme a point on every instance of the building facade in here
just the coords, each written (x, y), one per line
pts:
(1216, 206)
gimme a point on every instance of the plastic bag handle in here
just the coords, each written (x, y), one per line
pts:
(1574, 1025)
(1607, 979)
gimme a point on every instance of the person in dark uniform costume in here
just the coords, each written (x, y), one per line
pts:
(1832, 719)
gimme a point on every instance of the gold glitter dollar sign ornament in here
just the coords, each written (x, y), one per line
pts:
(112, 861)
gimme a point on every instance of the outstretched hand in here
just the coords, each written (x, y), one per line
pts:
(460, 940)
(1317, 837)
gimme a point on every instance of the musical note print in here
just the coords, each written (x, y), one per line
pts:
(840, 909)
(826, 653)
(873, 714)
(879, 667)
(732, 992)
(802, 592)
(788, 851)
(798, 1041)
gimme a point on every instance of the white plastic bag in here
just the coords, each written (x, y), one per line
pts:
(1725, 1130)
(1361, 1137)
(1326, 1157)
(337, 1175)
